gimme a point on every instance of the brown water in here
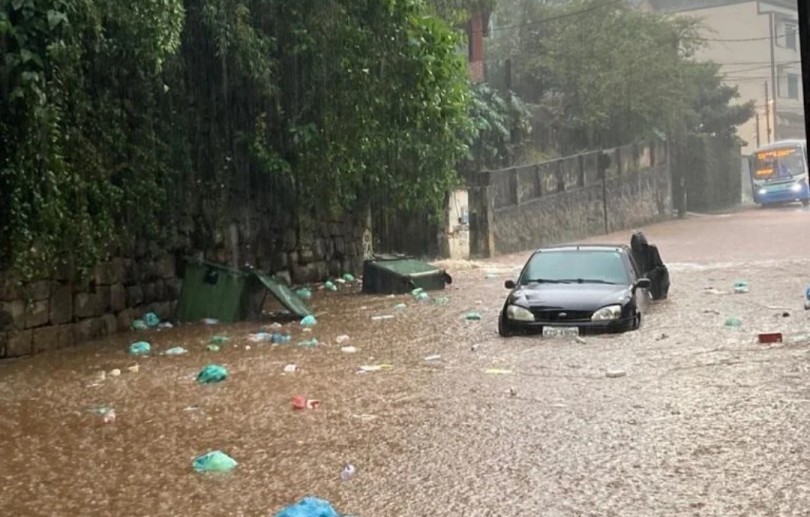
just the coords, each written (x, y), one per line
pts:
(706, 422)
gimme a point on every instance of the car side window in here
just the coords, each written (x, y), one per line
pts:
(634, 269)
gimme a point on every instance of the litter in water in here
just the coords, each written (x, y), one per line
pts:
(375, 367)
(211, 321)
(433, 358)
(140, 348)
(309, 321)
(342, 339)
(498, 371)
(300, 402)
(472, 316)
(216, 461)
(309, 343)
(219, 340)
(290, 368)
(139, 325)
(151, 319)
(304, 294)
(383, 317)
(176, 350)
(770, 337)
(213, 348)
(348, 350)
(309, 507)
(115, 372)
(211, 374)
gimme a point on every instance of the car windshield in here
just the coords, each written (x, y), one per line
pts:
(587, 266)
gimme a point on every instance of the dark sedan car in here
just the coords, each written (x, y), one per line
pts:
(567, 290)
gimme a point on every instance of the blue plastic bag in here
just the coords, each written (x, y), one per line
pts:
(216, 461)
(348, 277)
(151, 319)
(140, 348)
(330, 285)
(176, 350)
(309, 507)
(211, 374)
(309, 321)
(304, 293)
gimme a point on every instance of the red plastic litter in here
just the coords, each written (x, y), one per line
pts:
(299, 402)
(770, 337)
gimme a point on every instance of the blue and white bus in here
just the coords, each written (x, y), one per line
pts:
(779, 173)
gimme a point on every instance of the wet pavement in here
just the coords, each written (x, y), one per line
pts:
(706, 421)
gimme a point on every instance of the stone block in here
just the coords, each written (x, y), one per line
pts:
(306, 256)
(319, 249)
(20, 343)
(321, 271)
(173, 307)
(118, 271)
(303, 274)
(280, 261)
(87, 330)
(67, 336)
(10, 289)
(130, 271)
(293, 258)
(166, 266)
(45, 339)
(109, 324)
(334, 269)
(12, 315)
(149, 292)
(61, 306)
(103, 273)
(118, 297)
(174, 287)
(284, 276)
(125, 318)
(37, 291)
(163, 310)
(3, 343)
(37, 314)
(86, 305)
(340, 247)
(134, 296)
(290, 240)
(104, 293)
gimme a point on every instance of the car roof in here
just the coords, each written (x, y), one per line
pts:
(586, 247)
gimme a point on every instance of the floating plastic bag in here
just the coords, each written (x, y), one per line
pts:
(472, 316)
(442, 300)
(213, 348)
(216, 461)
(416, 292)
(309, 507)
(309, 321)
(734, 323)
(151, 319)
(176, 350)
(139, 325)
(304, 294)
(309, 343)
(280, 339)
(219, 340)
(330, 285)
(740, 286)
(140, 348)
(400, 307)
(348, 277)
(261, 337)
(211, 374)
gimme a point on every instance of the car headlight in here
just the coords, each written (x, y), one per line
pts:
(515, 312)
(796, 188)
(611, 312)
(762, 192)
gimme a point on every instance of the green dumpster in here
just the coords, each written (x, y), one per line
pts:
(396, 275)
(216, 291)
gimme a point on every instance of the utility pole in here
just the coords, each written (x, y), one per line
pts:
(804, 43)
(767, 113)
(774, 79)
(757, 120)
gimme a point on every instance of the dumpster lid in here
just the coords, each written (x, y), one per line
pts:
(406, 267)
(285, 295)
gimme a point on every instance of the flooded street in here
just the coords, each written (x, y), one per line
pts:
(705, 422)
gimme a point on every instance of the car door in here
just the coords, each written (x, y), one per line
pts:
(643, 296)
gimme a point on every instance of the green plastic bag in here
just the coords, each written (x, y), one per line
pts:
(304, 293)
(219, 340)
(140, 348)
(330, 285)
(348, 277)
(309, 343)
(139, 325)
(151, 319)
(176, 350)
(216, 461)
(211, 374)
(309, 321)
(213, 348)
(472, 316)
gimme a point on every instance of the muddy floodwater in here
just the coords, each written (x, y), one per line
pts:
(704, 421)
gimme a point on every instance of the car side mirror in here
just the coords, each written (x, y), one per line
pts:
(509, 284)
(643, 283)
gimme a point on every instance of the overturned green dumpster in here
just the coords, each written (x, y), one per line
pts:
(392, 274)
(226, 294)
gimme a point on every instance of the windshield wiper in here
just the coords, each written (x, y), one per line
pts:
(589, 281)
(546, 281)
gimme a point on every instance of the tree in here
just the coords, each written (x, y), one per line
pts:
(712, 111)
(615, 73)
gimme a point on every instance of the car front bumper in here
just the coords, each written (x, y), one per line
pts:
(585, 327)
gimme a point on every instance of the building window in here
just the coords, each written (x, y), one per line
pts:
(792, 86)
(791, 36)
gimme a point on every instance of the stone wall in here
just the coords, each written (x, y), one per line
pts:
(60, 312)
(568, 199)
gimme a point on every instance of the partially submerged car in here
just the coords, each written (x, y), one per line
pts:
(568, 290)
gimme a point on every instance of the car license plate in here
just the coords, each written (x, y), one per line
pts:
(560, 331)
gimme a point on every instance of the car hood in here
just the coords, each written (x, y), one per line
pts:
(578, 297)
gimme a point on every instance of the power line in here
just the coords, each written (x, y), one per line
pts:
(559, 17)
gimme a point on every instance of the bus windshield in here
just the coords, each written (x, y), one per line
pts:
(779, 164)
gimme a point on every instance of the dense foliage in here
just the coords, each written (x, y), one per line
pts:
(117, 115)
(601, 74)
